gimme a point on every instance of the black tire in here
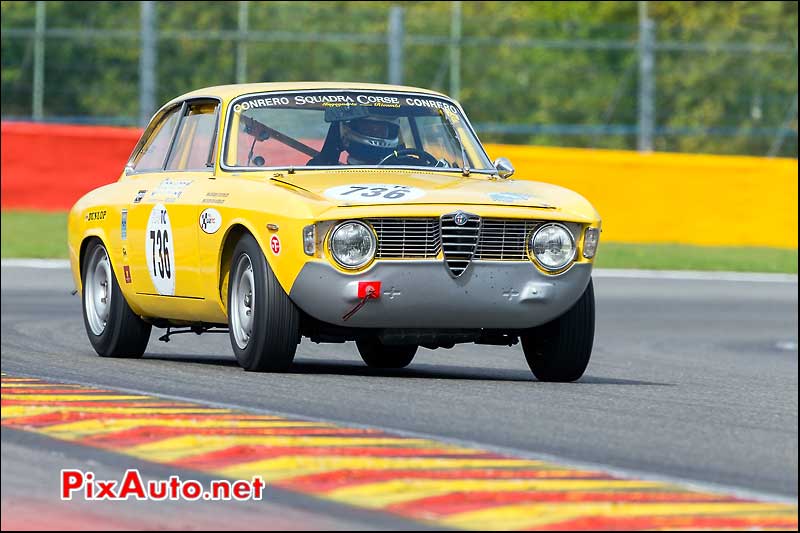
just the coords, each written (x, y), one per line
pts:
(560, 350)
(275, 327)
(377, 355)
(124, 333)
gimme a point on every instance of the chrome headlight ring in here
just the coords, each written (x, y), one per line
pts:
(552, 246)
(352, 244)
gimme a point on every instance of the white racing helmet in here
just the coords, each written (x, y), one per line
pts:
(369, 139)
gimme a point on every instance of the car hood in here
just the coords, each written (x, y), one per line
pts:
(362, 187)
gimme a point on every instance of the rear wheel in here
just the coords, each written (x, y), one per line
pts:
(113, 328)
(264, 323)
(560, 349)
(378, 355)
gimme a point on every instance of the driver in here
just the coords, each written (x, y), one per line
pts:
(368, 140)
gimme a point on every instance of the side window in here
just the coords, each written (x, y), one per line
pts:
(406, 136)
(436, 140)
(195, 139)
(433, 135)
(154, 150)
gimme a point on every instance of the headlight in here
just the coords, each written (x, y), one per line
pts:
(590, 239)
(553, 246)
(352, 244)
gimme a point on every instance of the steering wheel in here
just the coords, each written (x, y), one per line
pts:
(416, 157)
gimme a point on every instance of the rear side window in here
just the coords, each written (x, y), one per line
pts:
(193, 148)
(154, 151)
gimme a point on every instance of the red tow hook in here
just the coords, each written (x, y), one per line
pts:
(367, 290)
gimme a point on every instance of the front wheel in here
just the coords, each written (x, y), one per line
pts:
(560, 349)
(113, 328)
(378, 355)
(264, 323)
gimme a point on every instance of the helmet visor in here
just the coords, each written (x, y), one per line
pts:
(379, 129)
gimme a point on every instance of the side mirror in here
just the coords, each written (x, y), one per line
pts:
(504, 167)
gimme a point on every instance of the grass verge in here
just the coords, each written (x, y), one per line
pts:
(687, 257)
(44, 235)
(33, 234)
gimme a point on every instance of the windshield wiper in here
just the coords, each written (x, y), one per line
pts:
(464, 161)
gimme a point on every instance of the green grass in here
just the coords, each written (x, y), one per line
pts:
(33, 234)
(686, 257)
(42, 235)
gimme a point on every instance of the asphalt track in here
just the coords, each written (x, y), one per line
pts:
(690, 379)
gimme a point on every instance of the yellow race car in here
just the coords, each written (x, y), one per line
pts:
(336, 212)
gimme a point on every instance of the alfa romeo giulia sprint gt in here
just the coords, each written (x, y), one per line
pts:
(336, 212)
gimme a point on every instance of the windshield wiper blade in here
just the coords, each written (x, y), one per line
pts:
(464, 161)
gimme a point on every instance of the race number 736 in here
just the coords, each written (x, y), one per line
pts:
(374, 193)
(159, 239)
(159, 247)
(393, 193)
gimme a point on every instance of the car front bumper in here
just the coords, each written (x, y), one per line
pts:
(422, 294)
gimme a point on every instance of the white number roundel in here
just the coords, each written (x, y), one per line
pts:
(160, 252)
(369, 193)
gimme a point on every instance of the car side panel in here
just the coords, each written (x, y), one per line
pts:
(176, 204)
(100, 214)
(250, 204)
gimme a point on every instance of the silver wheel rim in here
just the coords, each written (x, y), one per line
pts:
(243, 301)
(97, 290)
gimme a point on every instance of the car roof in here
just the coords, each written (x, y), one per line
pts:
(227, 92)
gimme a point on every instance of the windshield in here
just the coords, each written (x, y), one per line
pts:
(350, 128)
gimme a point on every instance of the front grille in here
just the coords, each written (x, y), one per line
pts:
(488, 239)
(460, 233)
(505, 239)
(401, 238)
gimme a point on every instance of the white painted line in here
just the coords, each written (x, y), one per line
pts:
(690, 275)
(694, 275)
(36, 263)
(788, 346)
